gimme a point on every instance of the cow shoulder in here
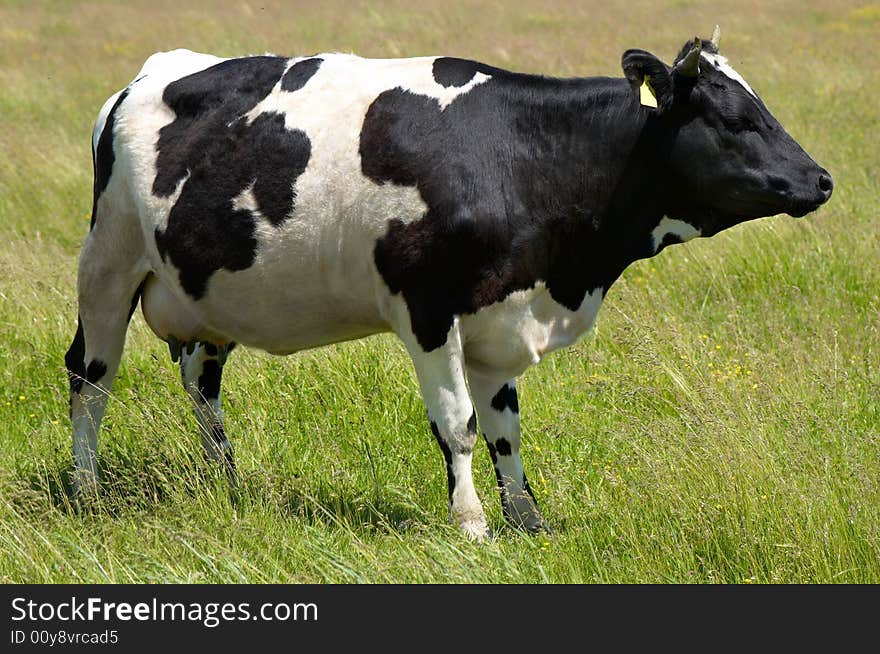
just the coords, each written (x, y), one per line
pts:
(486, 232)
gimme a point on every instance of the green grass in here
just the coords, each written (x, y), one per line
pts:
(721, 424)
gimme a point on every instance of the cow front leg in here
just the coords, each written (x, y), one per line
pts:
(454, 425)
(498, 410)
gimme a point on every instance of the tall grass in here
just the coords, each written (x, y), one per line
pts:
(720, 425)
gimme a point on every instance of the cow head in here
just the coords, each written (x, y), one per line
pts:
(726, 159)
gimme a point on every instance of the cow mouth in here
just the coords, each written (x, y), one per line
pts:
(760, 207)
(739, 209)
(800, 208)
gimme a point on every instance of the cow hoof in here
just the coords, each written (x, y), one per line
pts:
(476, 531)
(522, 513)
(85, 493)
(531, 522)
(539, 527)
(84, 484)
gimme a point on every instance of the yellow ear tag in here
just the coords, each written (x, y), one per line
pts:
(646, 94)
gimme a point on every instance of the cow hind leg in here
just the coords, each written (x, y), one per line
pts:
(201, 369)
(109, 285)
(498, 411)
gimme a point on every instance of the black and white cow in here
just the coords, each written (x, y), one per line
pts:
(479, 214)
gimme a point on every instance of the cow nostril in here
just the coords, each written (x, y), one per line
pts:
(826, 183)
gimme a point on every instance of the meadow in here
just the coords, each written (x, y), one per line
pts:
(721, 424)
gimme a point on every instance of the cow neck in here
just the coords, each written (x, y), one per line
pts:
(599, 193)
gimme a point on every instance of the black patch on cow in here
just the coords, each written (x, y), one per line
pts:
(135, 298)
(218, 435)
(74, 360)
(211, 141)
(519, 176)
(210, 349)
(204, 103)
(301, 72)
(502, 445)
(472, 423)
(499, 479)
(103, 157)
(506, 398)
(451, 71)
(494, 454)
(669, 239)
(528, 489)
(223, 353)
(96, 371)
(492, 451)
(447, 456)
(209, 380)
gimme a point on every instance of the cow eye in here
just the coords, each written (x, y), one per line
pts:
(747, 125)
(740, 123)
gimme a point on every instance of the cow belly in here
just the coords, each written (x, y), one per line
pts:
(291, 327)
(277, 323)
(171, 318)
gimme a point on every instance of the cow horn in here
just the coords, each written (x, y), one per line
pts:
(689, 66)
(716, 36)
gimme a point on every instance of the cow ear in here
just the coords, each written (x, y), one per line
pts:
(649, 77)
(688, 63)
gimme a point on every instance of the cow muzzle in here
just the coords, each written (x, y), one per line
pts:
(818, 194)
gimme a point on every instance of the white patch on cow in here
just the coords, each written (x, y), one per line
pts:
(447, 95)
(245, 201)
(174, 64)
(720, 64)
(683, 230)
(415, 75)
(164, 207)
(507, 337)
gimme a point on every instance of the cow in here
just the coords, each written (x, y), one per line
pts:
(479, 214)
